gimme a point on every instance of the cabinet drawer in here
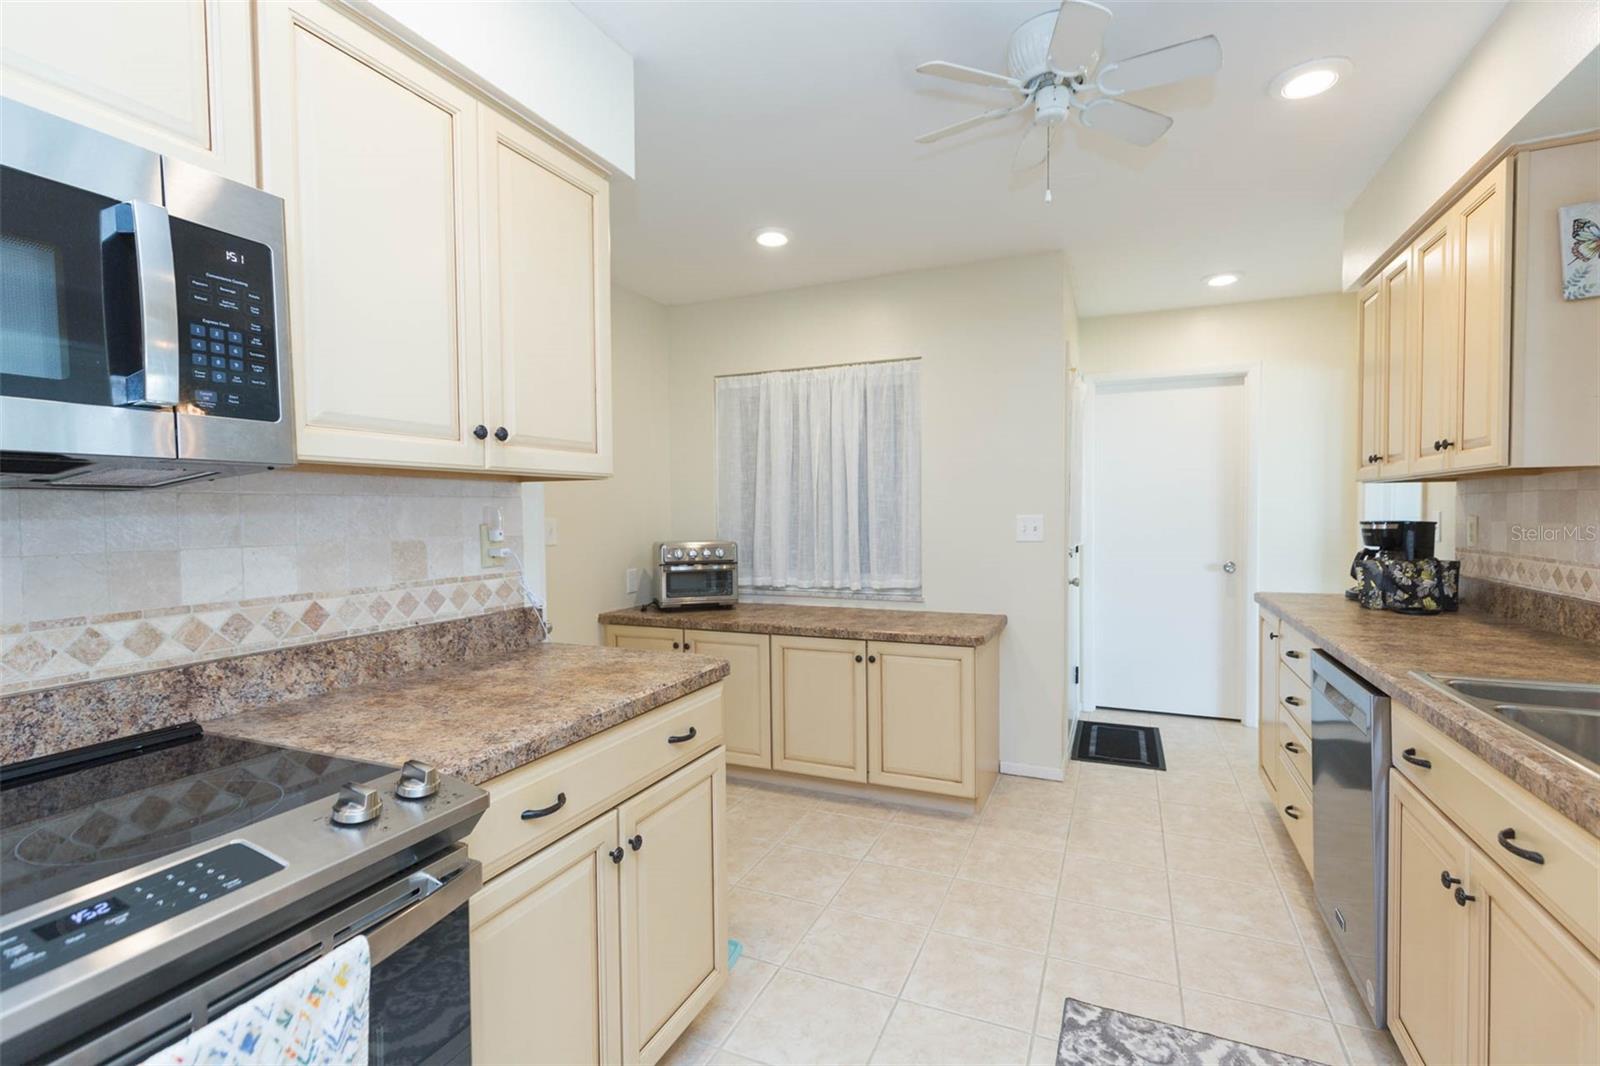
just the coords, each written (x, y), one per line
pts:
(1484, 803)
(576, 783)
(1294, 650)
(1294, 692)
(1294, 744)
(1294, 809)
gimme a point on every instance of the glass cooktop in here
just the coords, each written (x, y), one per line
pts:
(91, 813)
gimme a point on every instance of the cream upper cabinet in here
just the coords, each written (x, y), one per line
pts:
(545, 950)
(921, 717)
(674, 919)
(644, 638)
(546, 305)
(1479, 437)
(1434, 327)
(746, 692)
(373, 153)
(819, 707)
(1369, 367)
(1429, 932)
(174, 76)
(1394, 386)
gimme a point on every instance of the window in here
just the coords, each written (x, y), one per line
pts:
(819, 479)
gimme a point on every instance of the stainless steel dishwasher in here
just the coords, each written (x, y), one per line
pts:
(1350, 820)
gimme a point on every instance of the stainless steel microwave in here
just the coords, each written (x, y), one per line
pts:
(141, 314)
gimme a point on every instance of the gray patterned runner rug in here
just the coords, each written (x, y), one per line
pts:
(1099, 1036)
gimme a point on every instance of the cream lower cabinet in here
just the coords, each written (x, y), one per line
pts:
(1478, 971)
(603, 946)
(819, 707)
(174, 76)
(921, 717)
(1267, 702)
(644, 638)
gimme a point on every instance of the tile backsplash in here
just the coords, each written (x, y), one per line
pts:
(1535, 531)
(95, 584)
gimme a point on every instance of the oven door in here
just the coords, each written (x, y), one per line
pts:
(688, 584)
(88, 316)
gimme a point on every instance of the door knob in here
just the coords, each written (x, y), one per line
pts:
(1074, 582)
(1229, 567)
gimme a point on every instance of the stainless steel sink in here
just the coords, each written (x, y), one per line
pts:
(1562, 716)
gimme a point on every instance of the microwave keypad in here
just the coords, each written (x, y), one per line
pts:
(225, 307)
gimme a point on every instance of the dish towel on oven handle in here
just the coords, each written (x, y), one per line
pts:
(317, 1016)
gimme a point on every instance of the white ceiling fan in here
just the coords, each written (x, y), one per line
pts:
(1055, 69)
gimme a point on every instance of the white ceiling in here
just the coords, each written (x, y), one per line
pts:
(801, 115)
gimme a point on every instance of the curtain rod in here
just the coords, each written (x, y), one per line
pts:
(823, 366)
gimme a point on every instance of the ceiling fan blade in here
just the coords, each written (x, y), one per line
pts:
(970, 75)
(965, 124)
(1075, 44)
(1163, 66)
(1129, 122)
(1035, 143)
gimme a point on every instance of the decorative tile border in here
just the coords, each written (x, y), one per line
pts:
(1541, 575)
(39, 655)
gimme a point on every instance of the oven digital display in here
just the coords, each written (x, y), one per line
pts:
(84, 916)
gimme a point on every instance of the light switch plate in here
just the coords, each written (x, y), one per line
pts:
(1472, 530)
(633, 581)
(1030, 527)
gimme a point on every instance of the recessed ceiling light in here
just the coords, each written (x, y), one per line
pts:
(1218, 281)
(772, 238)
(1310, 79)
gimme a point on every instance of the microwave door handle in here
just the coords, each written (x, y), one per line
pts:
(155, 383)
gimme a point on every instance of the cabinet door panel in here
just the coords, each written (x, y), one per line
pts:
(644, 638)
(1429, 943)
(1398, 357)
(1370, 339)
(1542, 987)
(546, 305)
(819, 707)
(545, 950)
(1433, 319)
(674, 925)
(374, 155)
(746, 692)
(921, 717)
(1267, 694)
(1485, 374)
(173, 77)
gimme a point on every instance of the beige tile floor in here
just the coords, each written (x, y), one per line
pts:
(877, 933)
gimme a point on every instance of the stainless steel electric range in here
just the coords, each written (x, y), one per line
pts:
(150, 884)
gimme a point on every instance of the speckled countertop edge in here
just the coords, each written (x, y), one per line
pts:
(947, 628)
(1374, 644)
(479, 720)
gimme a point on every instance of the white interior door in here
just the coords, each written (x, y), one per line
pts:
(1168, 545)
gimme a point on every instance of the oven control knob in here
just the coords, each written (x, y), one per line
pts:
(418, 781)
(356, 805)
(677, 553)
(720, 553)
(693, 554)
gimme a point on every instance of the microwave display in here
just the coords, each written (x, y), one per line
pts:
(225, 324)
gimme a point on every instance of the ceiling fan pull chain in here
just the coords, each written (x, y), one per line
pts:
(1047, 166)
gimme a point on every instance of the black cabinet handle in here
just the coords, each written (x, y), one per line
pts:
(1410, 756)
(1272, 636)
(1291, 747)
(616, 854)
(1462, 897)
(500, 433)
(858, 658)
(636, 842)
(1292, 811)
(1436, 445)
(872, 658)
(561, 801)
(1446, 880)
(480, 432)
(1506, 836)
(1293, 701)
(1292, 654)
(683, 738)
(1446, 445)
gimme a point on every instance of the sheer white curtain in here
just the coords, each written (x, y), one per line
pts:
(819, 478)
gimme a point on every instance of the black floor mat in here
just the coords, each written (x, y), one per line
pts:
(1120, 745)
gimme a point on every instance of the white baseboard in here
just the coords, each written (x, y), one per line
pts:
(1022, 769)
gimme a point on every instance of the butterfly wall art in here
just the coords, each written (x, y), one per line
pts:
(1580, 251)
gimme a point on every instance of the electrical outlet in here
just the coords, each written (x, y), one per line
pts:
(633, 581)
(552, 532)
(490, 537)
(1030, 527)
(1472, 531)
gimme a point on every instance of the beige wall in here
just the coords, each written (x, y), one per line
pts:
(992, 340)
(605, 527)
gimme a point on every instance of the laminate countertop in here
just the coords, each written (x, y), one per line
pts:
(484, 718)
(1384, 648)
(843, 623)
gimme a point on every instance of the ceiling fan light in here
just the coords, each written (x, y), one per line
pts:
(772, 238)
(1221, 281)
(1305, 80)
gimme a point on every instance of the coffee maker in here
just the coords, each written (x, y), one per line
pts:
(1396, 570)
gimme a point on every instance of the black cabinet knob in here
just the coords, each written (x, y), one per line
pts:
(1446, 444)
(1462, 896)
(480, 432)
(636, 842)
(872, 658)
(858, 658)
(1446, 880)
(616, 854)
(500, 433)
(674, 645)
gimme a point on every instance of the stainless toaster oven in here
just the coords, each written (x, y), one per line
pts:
(697, 573)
